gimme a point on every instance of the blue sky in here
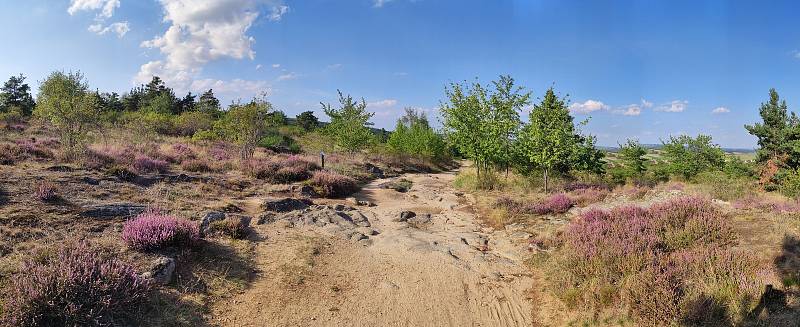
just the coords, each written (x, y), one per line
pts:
(638, 69)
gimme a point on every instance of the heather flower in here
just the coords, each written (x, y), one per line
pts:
(78, 286)
(333, 185)
(145, 164)
(153, 230)
(45, 192)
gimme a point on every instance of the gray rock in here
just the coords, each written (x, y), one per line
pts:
(113, 210)
(360, 219)
(308, 191)
(356, 236)
(162, 270)
(404, 216)
(208, 219)
(267, 218)
(286, 205)
(374, 170)
(339, 207)
(420, 219)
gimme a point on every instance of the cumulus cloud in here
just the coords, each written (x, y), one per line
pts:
(236, 87)
(720, 110)
(258, 67)
(386, 103)
(120, 29)
(105, 7)
(646, 104)
(674, 106)
(629, 110)
(202, 31)
(587, 107)
(276, 65)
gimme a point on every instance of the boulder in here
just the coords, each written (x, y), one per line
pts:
(114, 210)
(208, 220)
(286, 204)
(419, 219)
(162, 270)
(359, 219)
(374, 170)
(267, 218)
(404, 216)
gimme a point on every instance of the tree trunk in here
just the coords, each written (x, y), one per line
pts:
(545, 179)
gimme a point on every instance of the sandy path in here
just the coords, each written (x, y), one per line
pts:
(451, 272)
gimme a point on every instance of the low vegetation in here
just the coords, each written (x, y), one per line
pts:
(154, 230)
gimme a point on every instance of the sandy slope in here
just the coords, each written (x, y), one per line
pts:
(451, 272)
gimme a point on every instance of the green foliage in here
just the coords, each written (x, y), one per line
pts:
(723, 186)
(208, 103)
(549, 142)
(349, 123)
(15, 96)
(481, 125)
(307, 121)
(244, 125)
(66, 103)
(736, 167)
(631, 155)
(414, 136)
(689, 156)
(790, 182)
(779, 132)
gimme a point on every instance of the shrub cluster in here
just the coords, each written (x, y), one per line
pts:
(75, 287)
(280, 168)
(333, 185)
(145, 164)
(664, 264)
(153, 230)
(554, 204)
(45, 192)
(11, 153)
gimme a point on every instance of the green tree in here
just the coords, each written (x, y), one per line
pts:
(506, 102)
(687, 156)
(245, 125)
(586, 156)
(776, 133)
(414, 136)
(349, 123)
(307, 120)
(631, 155)
(208, 103)
(16, 95)
(65, 101)
(548, 140)
(465, 124)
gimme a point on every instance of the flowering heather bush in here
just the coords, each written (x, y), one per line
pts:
(656, 262)
(75, 287)
(153, 230)
(38, 148)
(333, 185)
(45, 192)
(10, 154)
(145, 164)
(587, 196)
(197, 165)
(219, 151)
(280, 169)
(760, 202)
(554, 204)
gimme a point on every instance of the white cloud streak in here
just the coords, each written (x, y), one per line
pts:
(674, 106)
(588, 106)
(120, 29)
(720, 110)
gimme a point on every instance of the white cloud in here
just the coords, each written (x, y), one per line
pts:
(646, 104)
(258, 66)
(120, 28)
(288, 76)
(630, 110)
(334, 66)
(674, 106)
(400, 74)
(386, 103)
(106, 7)
(380, 3)
(720, 110)
(587, 107)
(278, 12)
(202, 31)
(276, 65)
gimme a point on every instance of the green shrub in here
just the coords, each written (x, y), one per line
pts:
(689, 156)
(725, 187)
(789, 182)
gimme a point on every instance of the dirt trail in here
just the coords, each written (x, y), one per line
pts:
(449, 272)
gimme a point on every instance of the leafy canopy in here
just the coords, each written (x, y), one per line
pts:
(349, 123)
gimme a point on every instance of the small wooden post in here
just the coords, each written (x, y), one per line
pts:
(322, 159)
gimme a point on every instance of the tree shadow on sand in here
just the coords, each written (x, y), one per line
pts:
(778, 307)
